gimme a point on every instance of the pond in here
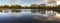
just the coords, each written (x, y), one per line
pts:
(28, 16)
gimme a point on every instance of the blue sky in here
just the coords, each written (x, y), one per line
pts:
(21, 2)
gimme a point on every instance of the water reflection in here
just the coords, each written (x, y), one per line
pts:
(27, 15)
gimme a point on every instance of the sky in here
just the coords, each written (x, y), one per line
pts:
(21, 2)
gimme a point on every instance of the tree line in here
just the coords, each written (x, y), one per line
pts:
(28, 7)
(54, 8)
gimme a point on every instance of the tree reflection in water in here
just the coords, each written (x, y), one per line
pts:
(26, 17)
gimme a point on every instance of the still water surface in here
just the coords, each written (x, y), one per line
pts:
(25, 14)
(24, 11)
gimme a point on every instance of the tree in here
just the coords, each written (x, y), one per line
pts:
(6, 6)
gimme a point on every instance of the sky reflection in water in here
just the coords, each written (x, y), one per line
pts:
(19, 17)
